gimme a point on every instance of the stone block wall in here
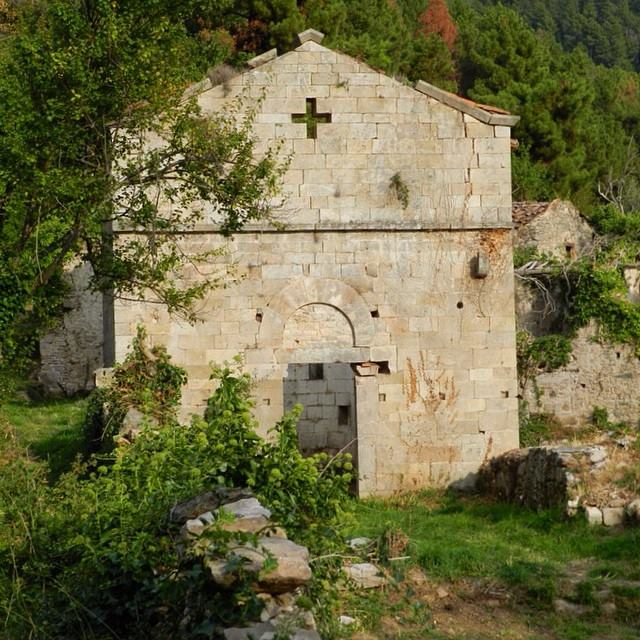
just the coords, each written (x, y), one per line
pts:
(73, 350)
(599, 374)
(444, 396)
(358, 279)
(457, 168)
(327, 394)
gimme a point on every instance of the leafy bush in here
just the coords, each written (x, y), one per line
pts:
(96, 556)
(147, 380)
(536, 428)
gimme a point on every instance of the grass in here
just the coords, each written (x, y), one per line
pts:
(456, 542)
(50, 429)
(466, 546)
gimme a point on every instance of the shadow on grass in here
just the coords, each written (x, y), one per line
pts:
(51, 430)
(59, 451)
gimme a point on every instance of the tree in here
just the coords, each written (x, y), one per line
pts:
(372, 30)
(83, 85)
(566, 136)
(437, 19)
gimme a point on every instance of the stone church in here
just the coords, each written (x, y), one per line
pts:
(385, 304)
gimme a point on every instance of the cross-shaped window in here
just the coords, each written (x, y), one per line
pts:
(311, 118)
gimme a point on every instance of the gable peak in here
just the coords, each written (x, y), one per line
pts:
(311, 35)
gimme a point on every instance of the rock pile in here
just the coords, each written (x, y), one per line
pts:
(279, 566)
(573, 477)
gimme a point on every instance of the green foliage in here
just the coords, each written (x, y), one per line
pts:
(386, 35)
(96, 551)
(146, 380)
(546, 353)
(597, 291)
(400, 189)
(305, 494)
(536, 429)
(83, 87)
(542, 353)
(523, 255)
(609, 31)
(600, 418)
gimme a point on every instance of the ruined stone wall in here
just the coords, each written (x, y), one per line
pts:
(598, 374)
(560, 232)
(72, 351)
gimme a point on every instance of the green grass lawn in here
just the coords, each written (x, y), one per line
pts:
(50, 429)
(460, 543)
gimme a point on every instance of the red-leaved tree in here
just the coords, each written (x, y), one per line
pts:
(437, 19)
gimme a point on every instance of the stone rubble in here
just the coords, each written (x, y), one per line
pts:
(365, 575)
(551, 476)
(238, 510)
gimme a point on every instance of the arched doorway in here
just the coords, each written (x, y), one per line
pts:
(324, 386)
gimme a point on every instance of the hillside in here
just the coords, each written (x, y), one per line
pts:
(609, 30)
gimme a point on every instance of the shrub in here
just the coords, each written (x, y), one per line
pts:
(96, 556)
(537, 428)
(147, 380)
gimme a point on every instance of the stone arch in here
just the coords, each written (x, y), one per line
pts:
(309, 291)
(316, 324)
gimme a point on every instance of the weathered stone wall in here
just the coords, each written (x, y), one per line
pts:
(327, 393)
(356, 277)
(448, 400)
(72, 351)
(560, 232)
(598, 374)
(535, 478)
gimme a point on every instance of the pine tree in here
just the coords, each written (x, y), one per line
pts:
(437, 19)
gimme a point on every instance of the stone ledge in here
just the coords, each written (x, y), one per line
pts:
(466, 106)
(311, 35)
(263, 58)
(394, 225)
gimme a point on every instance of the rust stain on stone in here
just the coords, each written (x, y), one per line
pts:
(410, 383)
(434, 391)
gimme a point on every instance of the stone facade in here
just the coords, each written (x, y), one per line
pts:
(359, 281)
(553, 228)
(599, 374)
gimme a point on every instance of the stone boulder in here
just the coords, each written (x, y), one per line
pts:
(365, 575)
(292, 565)
(207, 501)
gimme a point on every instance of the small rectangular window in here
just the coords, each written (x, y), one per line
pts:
(316, 372)
(343, 415)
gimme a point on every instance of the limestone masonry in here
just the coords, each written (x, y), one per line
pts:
(598, 374)
(391, 321)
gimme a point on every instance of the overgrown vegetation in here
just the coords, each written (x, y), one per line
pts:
(146, 380)
(95, 555)
(477, 552)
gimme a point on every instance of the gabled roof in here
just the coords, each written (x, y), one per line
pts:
(524, 212)
(482, 112)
